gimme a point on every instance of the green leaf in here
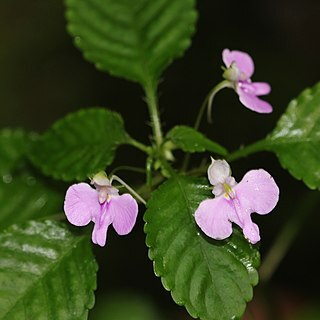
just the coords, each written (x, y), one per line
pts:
(13, 147)
(24, 197)
(296, 138)
(190, 140)
(79, 145)
(212, 279)
(45, 273)
(132, 39)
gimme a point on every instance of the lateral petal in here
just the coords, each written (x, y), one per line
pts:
(123, 211)
(257, 192)
(253, 103)
(256, 88)
(81, 204)
(213, 217)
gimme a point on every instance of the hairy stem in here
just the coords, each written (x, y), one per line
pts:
(152, 101)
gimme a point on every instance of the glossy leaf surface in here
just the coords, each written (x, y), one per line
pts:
(45, 273)
(24, 197)
(212, 279)
(296, 138)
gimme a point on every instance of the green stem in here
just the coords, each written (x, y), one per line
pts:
(287, 235)
(128, 168)
(242, 152)
(151, 98)
(140, 146)
(208, 102)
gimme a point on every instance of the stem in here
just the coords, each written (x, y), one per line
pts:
(139, 145)
(287, 235)
(127, 168)
(208, 102)
(260, 145)
(116, 178)
(151, 98)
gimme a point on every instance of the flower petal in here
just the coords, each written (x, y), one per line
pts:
(123, 210)
(253, 103)
(81, 204)
(243, 215)
(256, 88)
(242, 60)
(257, 192)
(251, 232)
(213, 217)
(99, 233)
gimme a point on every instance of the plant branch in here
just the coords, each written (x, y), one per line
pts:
(152, 101)
(242, 152)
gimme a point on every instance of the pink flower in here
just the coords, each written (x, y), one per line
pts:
(257, 192)
(103, 206)
(239, 70)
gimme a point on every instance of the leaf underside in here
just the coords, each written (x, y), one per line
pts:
(136, 39)
(45, 273)
(212, 279)
(80, 144)
(296, 138)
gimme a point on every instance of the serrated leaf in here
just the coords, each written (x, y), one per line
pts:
(134, 39)
(79, 145)
(45, 273)
(191, 140)
(25, 197)
(296, 138)
(212, 279)
(13, 146)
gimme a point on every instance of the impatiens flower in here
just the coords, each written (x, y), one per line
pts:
(257, 192)
(102, 205)
(239, 70)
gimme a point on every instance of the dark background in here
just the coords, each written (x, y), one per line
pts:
(43, 77)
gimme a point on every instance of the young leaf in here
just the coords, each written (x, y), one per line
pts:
(13, 146)
(296, 138)
(45, 273)
(132, 39)
(212, 279)
(79, 145)
(191, 140)
(24, 197)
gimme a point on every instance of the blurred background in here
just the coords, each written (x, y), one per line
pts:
(43, 77)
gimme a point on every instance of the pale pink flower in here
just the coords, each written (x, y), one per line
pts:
(102, 205)
(240, 68)
(257, 192)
